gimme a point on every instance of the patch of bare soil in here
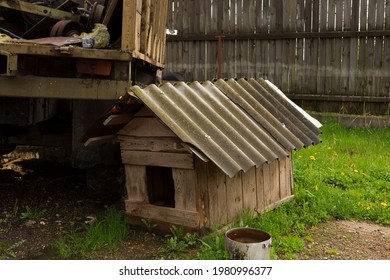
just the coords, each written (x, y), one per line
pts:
(347, 240)
(42, 200)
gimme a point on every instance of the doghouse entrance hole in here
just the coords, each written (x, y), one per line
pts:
(161, 189)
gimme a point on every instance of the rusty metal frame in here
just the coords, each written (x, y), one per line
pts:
(38, 10)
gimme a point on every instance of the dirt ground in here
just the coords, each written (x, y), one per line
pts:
(41, 200)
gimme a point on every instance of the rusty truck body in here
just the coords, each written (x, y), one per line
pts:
(53, 85)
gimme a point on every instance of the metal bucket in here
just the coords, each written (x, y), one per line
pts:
(248, 244)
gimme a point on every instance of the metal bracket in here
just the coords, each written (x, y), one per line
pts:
(8, 63)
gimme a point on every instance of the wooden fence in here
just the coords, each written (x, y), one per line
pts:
(328, 55)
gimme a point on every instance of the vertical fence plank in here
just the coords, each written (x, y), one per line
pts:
(252, 51)
(330, 50)
(223, 12)
(195, 52)
(300, 56)
(314, 47)
(361, 84)
(370, 49)
(201, 73)
(292, 26)
(378, 63)
(179, 25)
(279, 12)
(338, 48)
(287, 46)
(354, 47)
(271, 43)
(347, 12)
(322, 49)
(230, 45)
(263, 27)
(257, 44)
(212, 47)
(307, 47)
(386, 58)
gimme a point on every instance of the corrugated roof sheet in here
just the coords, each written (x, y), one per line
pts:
(237, 124)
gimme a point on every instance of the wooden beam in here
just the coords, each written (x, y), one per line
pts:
(152, 144)
(55, 87)
(174, 160)
(117, 119)
(279, 36)
(109, 11)
(346, 98)
(164, 214)
(99, 140)
(28, 48)
(131, 25)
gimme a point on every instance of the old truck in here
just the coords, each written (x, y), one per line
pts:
(54, 83)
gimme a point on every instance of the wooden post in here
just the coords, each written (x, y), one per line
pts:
(131, 25)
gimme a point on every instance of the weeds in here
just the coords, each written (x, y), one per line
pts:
(177, 244)
(148, 224)
(106, 233)
(6, 220)
(33, 214)
(7, 250)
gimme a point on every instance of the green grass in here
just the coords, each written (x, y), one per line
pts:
(347, 176)
(106, 233)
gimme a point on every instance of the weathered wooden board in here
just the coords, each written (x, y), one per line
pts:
(151, 127)
(260, 189)
(185, 189)
(202, 204)
(174, 160)
(217, 195)
(234, 197)
(152, 144)
(136, 184)
(165, 214)
(249, 190)
(267, 186)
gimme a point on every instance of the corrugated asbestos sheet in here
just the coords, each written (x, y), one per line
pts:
(237, 124)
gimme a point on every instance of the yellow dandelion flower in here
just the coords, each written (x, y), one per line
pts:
(368, 207)
(384, 204)
(312, 158)
(355, 170)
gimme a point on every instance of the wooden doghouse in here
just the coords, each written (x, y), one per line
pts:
(197, 155)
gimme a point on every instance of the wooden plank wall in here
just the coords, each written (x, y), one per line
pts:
(144, 30)
(222, 199)
(329, 55)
